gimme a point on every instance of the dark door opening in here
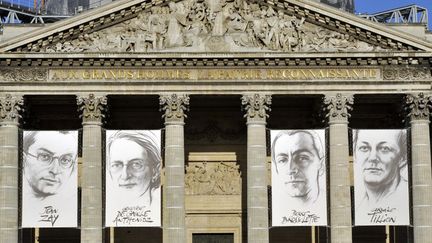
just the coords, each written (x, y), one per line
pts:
(213, 238)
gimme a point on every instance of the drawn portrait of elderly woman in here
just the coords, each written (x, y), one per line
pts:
(133, 168)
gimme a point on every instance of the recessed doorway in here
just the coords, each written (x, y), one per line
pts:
(213, 238)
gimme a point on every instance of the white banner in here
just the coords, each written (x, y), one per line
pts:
(49, 179)
(298, 178)
(381, 177)
(133, 174)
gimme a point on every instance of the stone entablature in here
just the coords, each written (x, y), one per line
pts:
(128, 74)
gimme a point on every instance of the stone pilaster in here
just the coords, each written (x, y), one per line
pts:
(92, 108)
(10, 107)
(174, 107)
(419, 109)
(338, 107)
(257, 107)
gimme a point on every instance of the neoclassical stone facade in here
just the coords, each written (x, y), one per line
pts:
(216, 76)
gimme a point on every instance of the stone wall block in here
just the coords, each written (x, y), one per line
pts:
(9, 197)
(174, 196)
(93, 196)
(423, 174)
(423, 214)
(423, 233)
(340, 232)
(10, 218)
(9, 136)
(92, 175)
(340, 194)
(339, 175)
(9, 177)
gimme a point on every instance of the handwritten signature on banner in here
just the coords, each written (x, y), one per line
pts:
(49, 215)
(300, 217)
(131, 215)
(382, 215)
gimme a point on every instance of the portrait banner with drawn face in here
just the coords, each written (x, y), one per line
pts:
(298, 178)
(133, 178)
(49, 179)
(381, 177)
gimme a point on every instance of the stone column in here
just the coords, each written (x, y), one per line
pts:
(257, 106)
(418, 105)
(338, 107)
(174, 214)
(92, 108)
(10, 107)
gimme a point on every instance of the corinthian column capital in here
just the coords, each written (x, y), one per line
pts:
(256, 106)
(174, 107)
(92, 108)
(10, 107)
(338, 107)
(418, 106)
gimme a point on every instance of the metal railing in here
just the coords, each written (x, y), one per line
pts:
(412, 14)
(30, 6)
(43, 11)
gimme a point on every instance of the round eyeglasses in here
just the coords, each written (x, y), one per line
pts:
(65, 161)
(133, 166)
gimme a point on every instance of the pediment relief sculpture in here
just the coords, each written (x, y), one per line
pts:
(212, 26)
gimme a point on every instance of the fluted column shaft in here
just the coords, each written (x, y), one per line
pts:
(9, 116)
(256, 107)
(419, 105)
(173, 191)
(338, 107)
(91, 179)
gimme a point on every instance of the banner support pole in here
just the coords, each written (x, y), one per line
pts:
(36, 235)
(112, 238)
(313, 234)
(387, 229)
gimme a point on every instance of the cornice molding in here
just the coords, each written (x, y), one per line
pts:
(261, 60)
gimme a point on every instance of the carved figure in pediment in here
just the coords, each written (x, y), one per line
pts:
(176, 23)
(212, 25)
(218, 13)
(289, 34)
(157, 28)
(235, 21)
(273, 24)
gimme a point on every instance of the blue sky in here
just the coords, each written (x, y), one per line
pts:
(373, 6)
(362, 6)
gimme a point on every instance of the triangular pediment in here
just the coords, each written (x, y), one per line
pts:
(215, 26)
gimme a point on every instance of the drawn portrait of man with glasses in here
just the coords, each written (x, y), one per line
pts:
(49, 178)
(133, 163)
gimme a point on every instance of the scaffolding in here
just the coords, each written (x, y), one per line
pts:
(412, 14)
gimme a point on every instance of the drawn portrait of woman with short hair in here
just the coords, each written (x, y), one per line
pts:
(133, 178)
